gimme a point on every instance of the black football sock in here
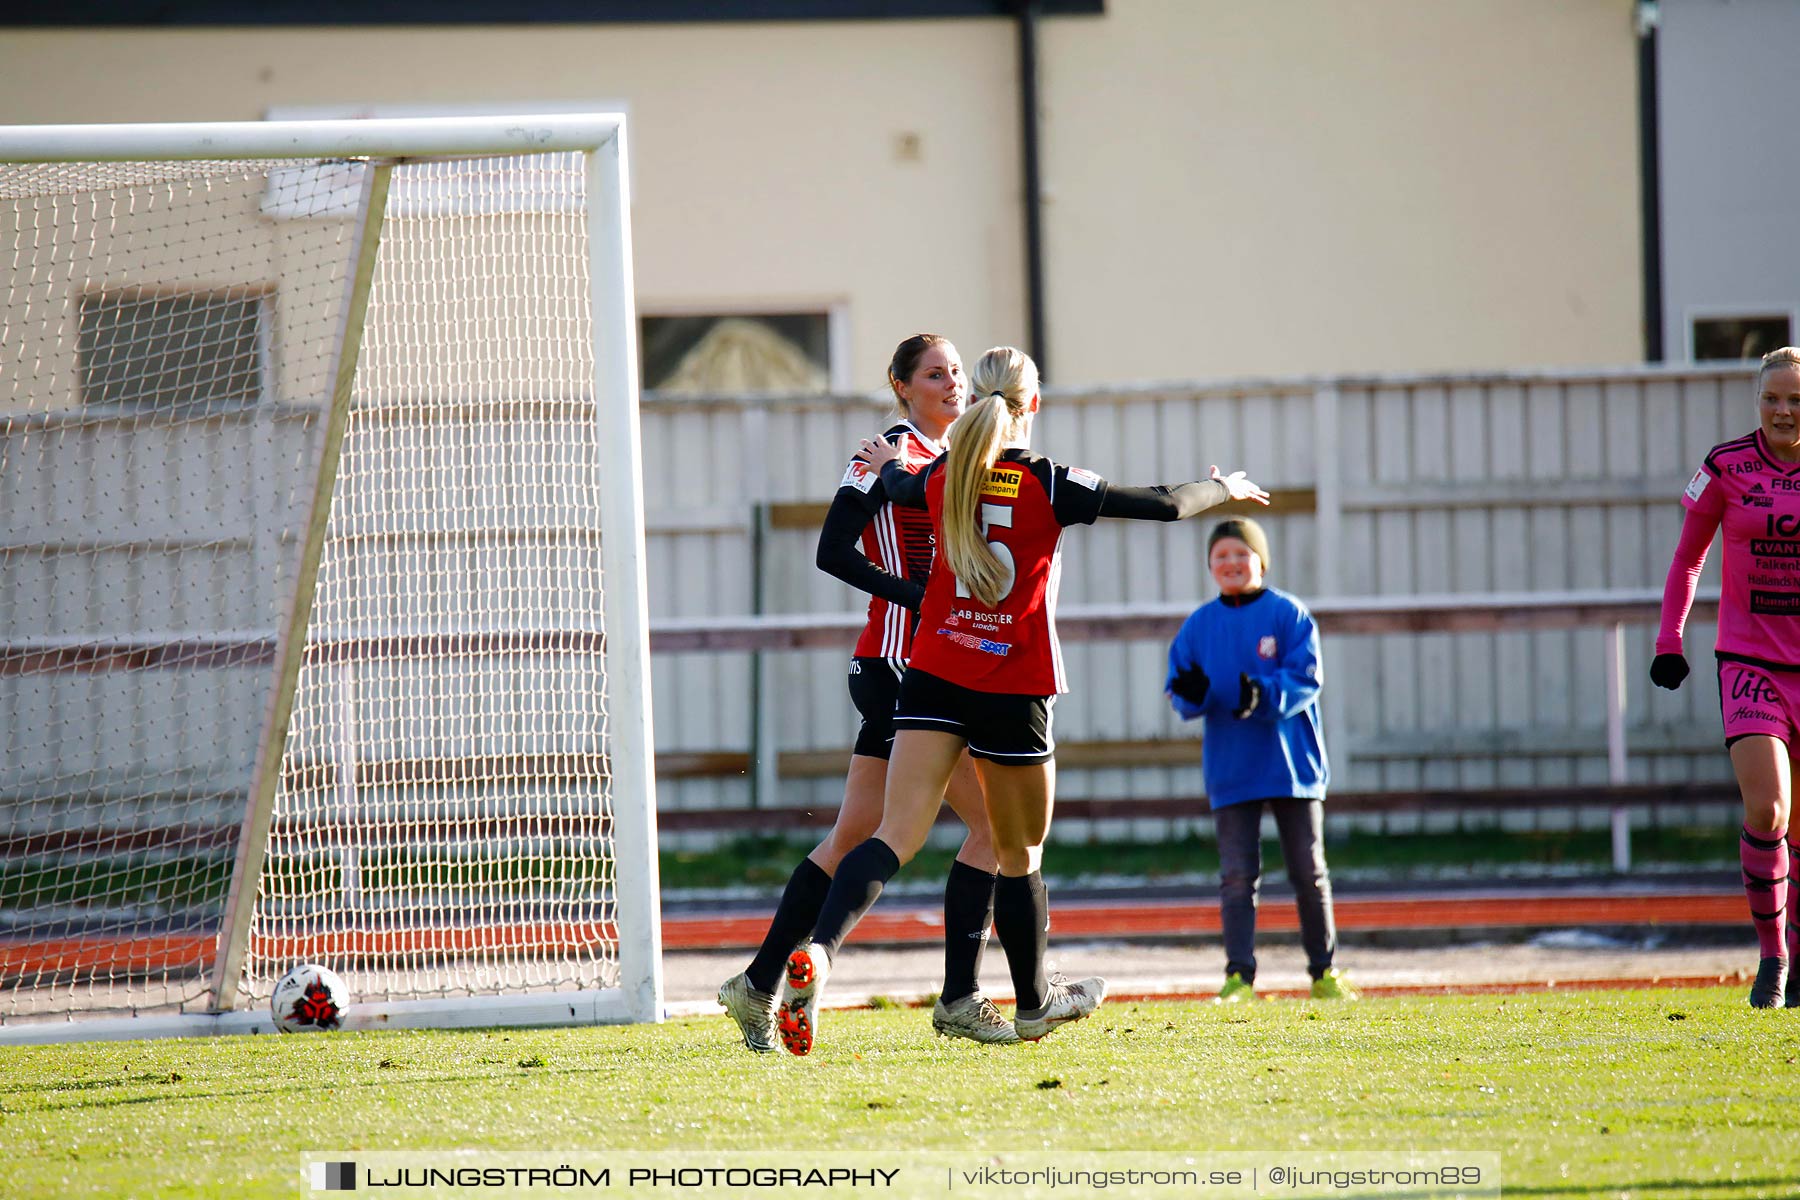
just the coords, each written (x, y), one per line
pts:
(854, 890)
(794, 917)
(968, 911)
(1022, 919)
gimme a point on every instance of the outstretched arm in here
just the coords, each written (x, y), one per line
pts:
(1161, 503)
(1178, 503)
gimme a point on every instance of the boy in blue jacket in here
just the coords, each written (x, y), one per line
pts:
(1248, 665)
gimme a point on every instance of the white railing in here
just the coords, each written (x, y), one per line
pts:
(1411, 490)
(1609, 611)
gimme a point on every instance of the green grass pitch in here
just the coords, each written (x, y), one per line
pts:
(1650, 1093)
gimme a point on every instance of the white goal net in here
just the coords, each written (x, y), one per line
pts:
(321, 629)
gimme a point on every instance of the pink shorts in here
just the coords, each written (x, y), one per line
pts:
(1757, 701)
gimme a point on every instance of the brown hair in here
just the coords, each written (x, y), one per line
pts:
(906, 360)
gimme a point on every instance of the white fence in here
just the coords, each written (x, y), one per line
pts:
(1395, 487)
(1385, 488)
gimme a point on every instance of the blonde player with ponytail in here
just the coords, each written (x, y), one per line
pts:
(979, 440)
(985, 673)
(886, 551)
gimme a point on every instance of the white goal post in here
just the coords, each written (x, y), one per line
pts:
(323, 616)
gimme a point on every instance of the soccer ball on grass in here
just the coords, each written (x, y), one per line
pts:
(309, 999)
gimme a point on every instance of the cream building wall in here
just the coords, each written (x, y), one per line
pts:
(1384, 185)
(1232, 189)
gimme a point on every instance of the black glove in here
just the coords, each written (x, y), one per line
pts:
(1249, 696)
(1191, 685)
(1668, 670)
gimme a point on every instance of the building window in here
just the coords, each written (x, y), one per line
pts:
(728, 355)
(1739, 336)
(174, 349)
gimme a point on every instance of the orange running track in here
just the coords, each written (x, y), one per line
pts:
(1185, 918)
(896, 925)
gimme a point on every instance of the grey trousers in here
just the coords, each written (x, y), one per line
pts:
(1301, 825)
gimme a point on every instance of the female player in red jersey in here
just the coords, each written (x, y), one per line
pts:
(1750, 487)
(886, 551)
(985, 673)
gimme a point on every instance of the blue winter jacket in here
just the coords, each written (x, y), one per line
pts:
(1278, 749)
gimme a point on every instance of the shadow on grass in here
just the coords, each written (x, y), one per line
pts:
(89, 1085)
(299, 1086)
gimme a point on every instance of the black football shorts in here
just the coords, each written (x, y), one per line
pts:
(1007, 729)
(874, 684)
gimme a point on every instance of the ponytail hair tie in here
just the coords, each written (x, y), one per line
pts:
(1000, 395)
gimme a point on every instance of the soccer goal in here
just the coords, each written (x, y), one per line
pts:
(323, 626)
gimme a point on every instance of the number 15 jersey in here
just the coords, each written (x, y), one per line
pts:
(1026, 502)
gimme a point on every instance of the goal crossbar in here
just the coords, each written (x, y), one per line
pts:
(404, 137)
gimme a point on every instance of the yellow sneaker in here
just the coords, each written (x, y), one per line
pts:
(1333, 985)
(1236, 988)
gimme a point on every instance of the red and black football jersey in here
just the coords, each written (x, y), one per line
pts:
(899, 540)
(1026, 503)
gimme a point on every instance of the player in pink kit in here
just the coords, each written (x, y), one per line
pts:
(1750, 487)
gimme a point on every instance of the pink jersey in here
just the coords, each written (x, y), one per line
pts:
(1755, 498)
